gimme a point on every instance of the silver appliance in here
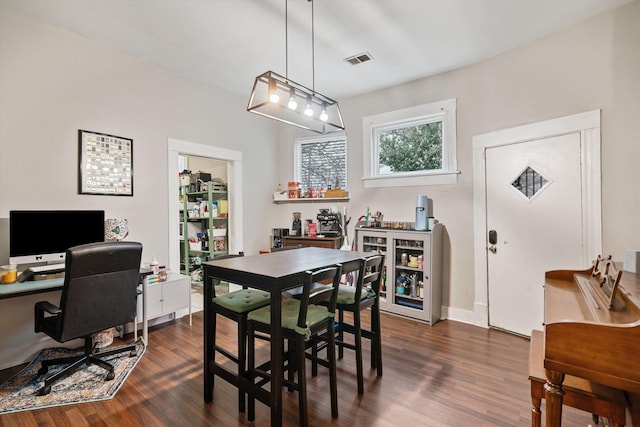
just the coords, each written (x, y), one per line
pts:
(424, 210)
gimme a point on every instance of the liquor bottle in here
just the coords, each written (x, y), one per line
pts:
(384, 279)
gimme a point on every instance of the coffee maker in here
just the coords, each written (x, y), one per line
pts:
(330, 223)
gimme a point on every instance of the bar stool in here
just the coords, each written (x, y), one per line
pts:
(236, 306)
(303, 320)
(354, 299)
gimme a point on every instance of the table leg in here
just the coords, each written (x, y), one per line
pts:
(276, 358)
(145, 320)
(208, 337)
(553, 393)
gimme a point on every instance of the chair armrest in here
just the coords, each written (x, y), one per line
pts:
(39, 309)
(48, 307)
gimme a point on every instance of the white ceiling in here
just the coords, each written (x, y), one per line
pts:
(229, 42)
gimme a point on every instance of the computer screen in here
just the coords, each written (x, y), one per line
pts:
(44, 236)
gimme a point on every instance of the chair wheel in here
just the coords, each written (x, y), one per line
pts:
(44, 390)
(43, 370)
(110, 376)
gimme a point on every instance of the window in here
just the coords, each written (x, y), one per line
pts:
(321, 162)
(413, 146)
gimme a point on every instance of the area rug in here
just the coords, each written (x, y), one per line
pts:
(20, 393)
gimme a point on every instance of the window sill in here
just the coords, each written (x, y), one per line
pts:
(440, 178)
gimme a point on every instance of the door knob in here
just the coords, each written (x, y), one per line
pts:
(493, 249)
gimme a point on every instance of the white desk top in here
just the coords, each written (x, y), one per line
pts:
(30, 287)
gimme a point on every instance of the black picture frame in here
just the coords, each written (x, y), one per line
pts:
(105, 164)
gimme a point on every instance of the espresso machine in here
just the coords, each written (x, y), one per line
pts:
(330, 223)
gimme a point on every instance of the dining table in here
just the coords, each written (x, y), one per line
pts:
(273, 272)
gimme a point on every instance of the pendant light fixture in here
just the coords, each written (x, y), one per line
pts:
(280, 98)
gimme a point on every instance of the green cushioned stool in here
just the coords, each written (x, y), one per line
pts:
(355, 299)
(236, 306)
(243, 301)
(347, 294)
(304, 322)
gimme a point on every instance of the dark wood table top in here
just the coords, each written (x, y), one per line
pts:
(283, 267)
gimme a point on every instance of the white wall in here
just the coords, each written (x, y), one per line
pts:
(53, 83)
(593, 65)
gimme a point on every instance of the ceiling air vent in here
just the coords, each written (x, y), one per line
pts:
(359, 58)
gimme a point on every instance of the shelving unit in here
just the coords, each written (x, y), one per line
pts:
(213, 228)
(412, 273)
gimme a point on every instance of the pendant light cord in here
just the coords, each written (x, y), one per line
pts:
(313, 53)
(286, 39)
(286, 45)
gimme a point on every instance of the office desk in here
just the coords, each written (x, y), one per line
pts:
(31, 287)
(19, 343)
(273, 272)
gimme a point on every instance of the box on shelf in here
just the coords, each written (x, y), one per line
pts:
(294, 189)
(219, 239)
(631, 261)
(223, 207)
(336, 193)
(280, 195)
(195, 246)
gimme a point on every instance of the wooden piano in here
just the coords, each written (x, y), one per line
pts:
(592, 331)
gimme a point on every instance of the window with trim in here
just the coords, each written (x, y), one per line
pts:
(321, 162)
(413, 146)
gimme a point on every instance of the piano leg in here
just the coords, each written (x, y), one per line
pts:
(536, 414)
(553, 393)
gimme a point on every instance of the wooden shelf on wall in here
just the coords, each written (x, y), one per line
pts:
(313, 200)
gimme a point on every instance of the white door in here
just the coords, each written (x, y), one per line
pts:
(534, 205)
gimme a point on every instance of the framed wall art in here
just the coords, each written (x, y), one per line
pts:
(105, 164)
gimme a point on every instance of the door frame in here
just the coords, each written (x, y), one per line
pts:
(588, 125)
(233, 158)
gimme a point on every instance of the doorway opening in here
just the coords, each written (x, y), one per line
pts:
(226, 164)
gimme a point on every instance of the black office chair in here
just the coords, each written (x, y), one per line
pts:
(100, 291)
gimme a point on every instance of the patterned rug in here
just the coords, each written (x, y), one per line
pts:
(20, 393)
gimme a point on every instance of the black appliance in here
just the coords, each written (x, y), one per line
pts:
(330, 223)
(278, 234)
(195, 183)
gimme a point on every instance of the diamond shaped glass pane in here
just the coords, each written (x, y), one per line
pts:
(529, 182)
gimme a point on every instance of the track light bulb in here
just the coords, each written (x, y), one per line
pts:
(323, 114)
(292, 100)
(273, 92)
(308, 111)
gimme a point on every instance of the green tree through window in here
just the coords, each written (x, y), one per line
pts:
(410, 149)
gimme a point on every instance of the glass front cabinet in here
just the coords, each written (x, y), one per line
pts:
(412, 275)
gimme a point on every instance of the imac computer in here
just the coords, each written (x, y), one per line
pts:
(40, 236)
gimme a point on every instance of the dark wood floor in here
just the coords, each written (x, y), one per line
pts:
(451, 374)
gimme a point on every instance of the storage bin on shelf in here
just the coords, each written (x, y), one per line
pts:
(219, 239)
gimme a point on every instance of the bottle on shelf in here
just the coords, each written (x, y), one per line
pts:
(384, 279)
(296, 226)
